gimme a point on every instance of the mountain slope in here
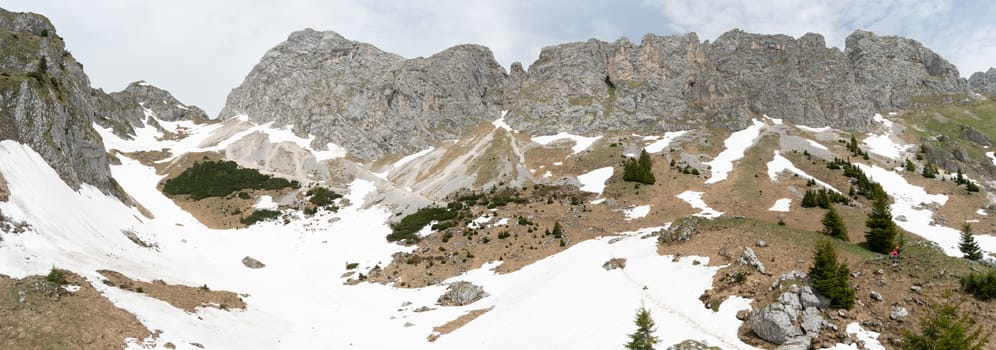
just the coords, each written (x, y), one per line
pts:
(46, 101)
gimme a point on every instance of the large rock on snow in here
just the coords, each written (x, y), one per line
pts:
(461, 293)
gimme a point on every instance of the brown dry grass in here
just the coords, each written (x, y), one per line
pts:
(180, 296)
(62, 320)
(456, 323)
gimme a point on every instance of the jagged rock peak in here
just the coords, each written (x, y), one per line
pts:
(984, 82)
(46, 101)
(333, 87)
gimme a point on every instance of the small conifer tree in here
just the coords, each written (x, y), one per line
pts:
(946, 328)
(829, 278)
(969, 248)
(882, 231)
(833, 225)
(643, 338)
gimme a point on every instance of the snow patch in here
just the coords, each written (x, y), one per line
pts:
(911, 202)
(883, 144)
(779, 164)
(781, 205)
(695, 200)
(981, 212)
(501, 124)
(594, 181)
(581, 143)
(992, 155)
(637, 212)
(812, 129)
(265, 202)
(736, 145)
(817, 145)
(662, 142)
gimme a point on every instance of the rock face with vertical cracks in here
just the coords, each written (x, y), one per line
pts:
(46, 102)
(332, 87)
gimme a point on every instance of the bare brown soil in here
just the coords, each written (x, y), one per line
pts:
(50, 317)
(456, 323)
(180, 296)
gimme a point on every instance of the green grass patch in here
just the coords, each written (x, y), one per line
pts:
(221, 178)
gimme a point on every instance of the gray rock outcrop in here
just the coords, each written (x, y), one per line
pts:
(367, 100)
(750, 259)
(461, 293)
(793, 321)
(46, 102)
(984, 82)
(775, 323)
(681, 230)
(614, 263)
(125, 110)
(329, 86)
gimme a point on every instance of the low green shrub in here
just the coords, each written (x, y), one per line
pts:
(221, 178)
(259, 215)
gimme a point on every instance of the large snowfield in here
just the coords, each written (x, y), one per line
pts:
(299, 301)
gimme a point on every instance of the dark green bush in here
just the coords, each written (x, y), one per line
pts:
(405, 230)
(981, 285)
(221, 178)
(56, 276)
(321, 196)
(260, 215)
(639, 170)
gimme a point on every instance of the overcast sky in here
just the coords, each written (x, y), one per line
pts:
(200, 49)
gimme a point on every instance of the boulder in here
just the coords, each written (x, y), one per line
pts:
(810, 298)
(876, 296)
(898, 312)
(750, 259)
(774, 323)
(614, 263)
(461, 293)
(681, 230)
(252, 263)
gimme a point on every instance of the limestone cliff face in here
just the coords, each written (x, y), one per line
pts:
(354, 94)
(984, 82)
(47, 103)
(374, 102)
(675, 82)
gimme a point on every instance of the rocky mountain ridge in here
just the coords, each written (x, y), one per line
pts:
(46, 102)
(332, 87)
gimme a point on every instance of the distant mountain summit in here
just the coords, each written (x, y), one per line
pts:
(373, 102)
